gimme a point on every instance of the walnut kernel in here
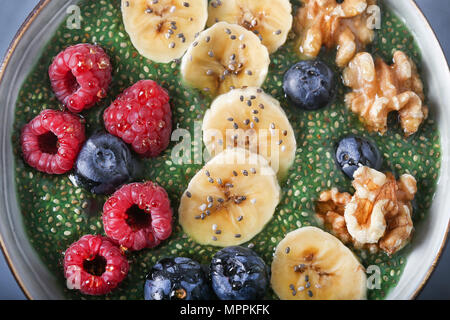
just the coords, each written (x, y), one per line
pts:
(379, 89)
(377, 216)
(343, 25)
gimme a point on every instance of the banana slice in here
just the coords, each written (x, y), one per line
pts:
(224, 57)
(162, 30)
(271, 20)
(230, 200)
(311, 264)
(251, 119)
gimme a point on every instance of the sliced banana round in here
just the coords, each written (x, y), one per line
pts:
(251, 119)
(224, 57)
(310, 264)
(230, 200)
(270, 20)
(162, 30)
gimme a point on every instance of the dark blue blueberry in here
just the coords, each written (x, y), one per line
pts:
(353, 152)
(177, 279)
(238, 273)
(104, 164)
(310, 84)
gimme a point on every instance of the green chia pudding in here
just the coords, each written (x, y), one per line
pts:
(56, 213)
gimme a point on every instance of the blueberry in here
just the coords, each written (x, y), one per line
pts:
(237, 273)
(353, 152)
(177, 279)
(103, 164)
(310, 85)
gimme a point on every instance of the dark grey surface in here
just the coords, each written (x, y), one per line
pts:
(14, 12)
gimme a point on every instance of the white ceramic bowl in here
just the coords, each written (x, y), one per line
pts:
(38, 283)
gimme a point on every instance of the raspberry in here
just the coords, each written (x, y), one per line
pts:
(138, 216)
(141, 116)
(51, 141)
(94, 265)
(80, 76)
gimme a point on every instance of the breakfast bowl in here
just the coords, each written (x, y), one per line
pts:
(34, 242)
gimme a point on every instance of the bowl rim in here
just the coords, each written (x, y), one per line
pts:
(445, 241)
(5, 62)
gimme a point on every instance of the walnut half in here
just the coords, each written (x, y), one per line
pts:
(377, 216)
(379, 89)
(329, 23)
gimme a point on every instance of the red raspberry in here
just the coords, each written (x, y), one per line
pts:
(141, 116)
(51, 141)
(80, 76)
(94, 265)
(138, 216)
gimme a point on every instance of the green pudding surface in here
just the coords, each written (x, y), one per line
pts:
(56, 213)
